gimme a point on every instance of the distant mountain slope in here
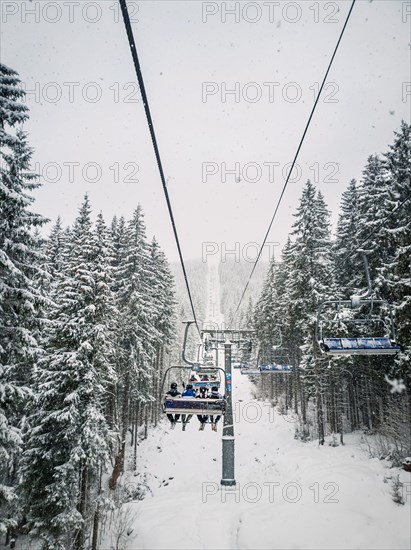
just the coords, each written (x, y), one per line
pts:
(233, 278)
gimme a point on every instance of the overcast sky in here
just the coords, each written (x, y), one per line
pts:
(87, 122)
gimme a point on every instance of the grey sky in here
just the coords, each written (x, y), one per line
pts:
(181, 46)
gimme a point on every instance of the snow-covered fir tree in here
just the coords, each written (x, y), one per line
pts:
(143, 288)
(68, 440)
(395, 272)
(20, 299)
(54, 249)
(373, 210)
(136, 316)
(348, 262)
(265, 312)
(294, 289)
(161, 285)
(310, 260)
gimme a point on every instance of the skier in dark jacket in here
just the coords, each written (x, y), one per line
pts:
(202, 418)
(215, 395)
(188, 392)
(173, 392)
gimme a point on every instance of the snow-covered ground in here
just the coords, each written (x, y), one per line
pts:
(289, 494)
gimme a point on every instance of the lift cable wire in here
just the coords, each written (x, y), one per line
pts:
(294, 161)
(131, 41)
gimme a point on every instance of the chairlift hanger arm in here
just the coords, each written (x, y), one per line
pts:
(368, 292)
(183, 354)
(344, 303)
(166, 372)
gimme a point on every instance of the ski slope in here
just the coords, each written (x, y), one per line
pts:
(289, 494)
(214, 318)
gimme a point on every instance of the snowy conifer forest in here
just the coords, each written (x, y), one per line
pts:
(87, 322)
(349, 391)
(299, 366)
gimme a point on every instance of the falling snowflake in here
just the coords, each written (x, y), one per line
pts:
(397, 385)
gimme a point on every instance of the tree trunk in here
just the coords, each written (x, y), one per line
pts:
(96, 519)
(135, 436)
(296, 377)
(145, 421)
(368, 402)
(80, 539)
(303, 402)
(119, 460)
(118, 467)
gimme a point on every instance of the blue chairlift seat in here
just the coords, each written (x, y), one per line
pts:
(205, 370)
(206, 384)
(188, 405)
(359, 346)
(275, 368)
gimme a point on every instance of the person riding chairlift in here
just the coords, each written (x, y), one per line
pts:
(188, 392)
(202, 394)
(173, 392)
(214, 395)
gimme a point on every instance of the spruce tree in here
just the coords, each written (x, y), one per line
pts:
(20, 299)
(161, 287)
(265, 318)
(348, 263)
(373, 207)
(310, 259)
(68, 440)
(135, 346)
(311, 283)
(395, 273)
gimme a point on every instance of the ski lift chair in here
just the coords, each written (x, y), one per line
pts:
(373, 344)
(356, 344)
(275, 360)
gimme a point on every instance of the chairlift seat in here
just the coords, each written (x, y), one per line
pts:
(275, 368)
(193, 405)
(206, 370)
(206, 384)
(359, 346)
